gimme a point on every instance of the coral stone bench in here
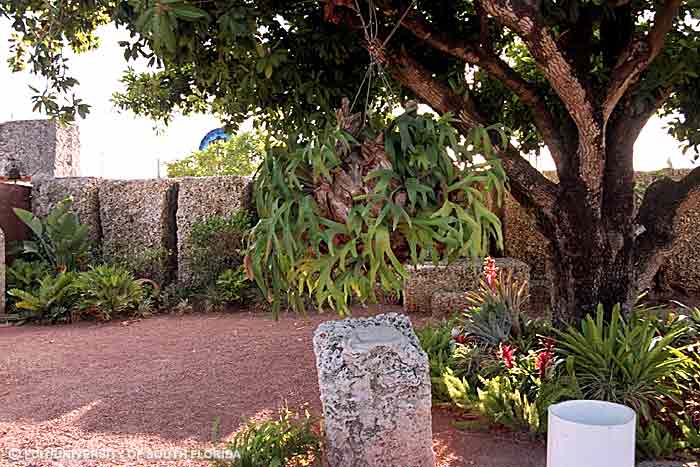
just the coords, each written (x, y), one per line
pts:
(441, 290)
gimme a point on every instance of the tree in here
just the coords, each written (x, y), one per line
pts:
(240, 155)
(581, 77)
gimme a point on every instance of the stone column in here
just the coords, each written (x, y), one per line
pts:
(39, 148)
(375, 389)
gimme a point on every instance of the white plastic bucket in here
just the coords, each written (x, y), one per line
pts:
(586, 433)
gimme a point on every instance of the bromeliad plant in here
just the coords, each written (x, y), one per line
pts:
(623, 361)
(347, 210)
(496, 306)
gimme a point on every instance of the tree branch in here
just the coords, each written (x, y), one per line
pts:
(658, 215)
(500, 70)
(638, 55)
(524, 19)
(622, 132)
(528, 185)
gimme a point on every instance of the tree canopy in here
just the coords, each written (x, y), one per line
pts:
(288, 63)
(581, 77)
(240, 155)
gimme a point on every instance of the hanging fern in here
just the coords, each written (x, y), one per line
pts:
(338, 217)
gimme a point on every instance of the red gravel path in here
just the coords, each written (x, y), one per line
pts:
(160, 383)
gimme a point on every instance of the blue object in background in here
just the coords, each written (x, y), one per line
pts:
(214, 135)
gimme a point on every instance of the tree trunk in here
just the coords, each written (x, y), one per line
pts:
(585, 277)
(592, 244)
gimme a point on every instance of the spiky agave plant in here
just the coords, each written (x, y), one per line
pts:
(345, 212)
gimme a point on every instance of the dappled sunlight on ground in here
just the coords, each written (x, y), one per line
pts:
(162, 384)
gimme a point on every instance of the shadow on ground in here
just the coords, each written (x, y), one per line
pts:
(169, 378)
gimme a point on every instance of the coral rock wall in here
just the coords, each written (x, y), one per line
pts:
(147, 221)
(198, 199)
(39, 148)
(138, 218)
(83, 191)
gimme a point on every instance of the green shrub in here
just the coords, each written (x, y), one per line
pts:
(24, 275)
(150, 263)
(690, 433)
(623, 361)
(654, 441)
(232, 284)
(59, 238)
(217, 246)
(436, 341)
(173, 295)
(53, 300)
(106, 291)
(288, 440)
(503, 400)
(240, 155)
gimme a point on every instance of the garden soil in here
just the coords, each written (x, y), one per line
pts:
(133, 393)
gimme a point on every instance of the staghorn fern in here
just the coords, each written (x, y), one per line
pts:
(337, 217)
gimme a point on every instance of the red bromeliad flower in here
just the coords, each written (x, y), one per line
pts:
(507, 354)
(543, 361)
(490, 271)
(548, 343)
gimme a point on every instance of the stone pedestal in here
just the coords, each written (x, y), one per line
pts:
(375, 389)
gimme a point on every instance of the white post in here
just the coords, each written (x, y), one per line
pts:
(587, 433)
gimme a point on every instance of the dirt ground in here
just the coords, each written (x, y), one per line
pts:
(164, 383)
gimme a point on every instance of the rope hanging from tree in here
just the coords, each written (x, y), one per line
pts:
(377, 52)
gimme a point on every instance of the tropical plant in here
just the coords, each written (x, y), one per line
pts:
(172, 295)
(231, 285)
(436, 341)
(148, 263)
(489, 323)
(240, 155)
(690, 434)
(106, 291)
(25, 275)
(53, 300)
(654, 441)
(581, 78)
(502, 401)
(333, 228)
(623, 361)
(59, 238)
(289, 440)
(498, 294)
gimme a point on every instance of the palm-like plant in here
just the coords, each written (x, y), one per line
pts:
(53, 300)
(623, 361)
(109, 290)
